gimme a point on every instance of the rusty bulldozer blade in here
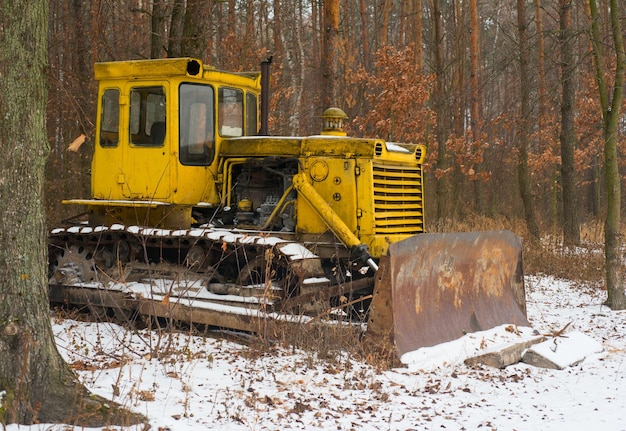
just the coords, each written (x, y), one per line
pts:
(446, 285)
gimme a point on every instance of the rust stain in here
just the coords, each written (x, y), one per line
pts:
(445, 285)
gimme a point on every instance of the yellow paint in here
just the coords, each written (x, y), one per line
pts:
(167, 142)
(137, 170)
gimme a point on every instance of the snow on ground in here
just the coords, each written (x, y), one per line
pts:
(208, 383)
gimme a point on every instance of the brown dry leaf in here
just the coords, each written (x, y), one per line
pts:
(146, 395)
(82, 366)
(76, 143)
(224, 246)
(166, 300)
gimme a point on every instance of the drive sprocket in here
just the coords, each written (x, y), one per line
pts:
(74, 265)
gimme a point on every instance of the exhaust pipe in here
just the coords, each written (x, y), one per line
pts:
(265, 96)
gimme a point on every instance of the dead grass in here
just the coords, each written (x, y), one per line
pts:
(581, 263)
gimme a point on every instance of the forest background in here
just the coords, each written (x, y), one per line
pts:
(512, 101)
(497, 90)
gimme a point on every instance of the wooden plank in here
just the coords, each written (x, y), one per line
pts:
(509, 355)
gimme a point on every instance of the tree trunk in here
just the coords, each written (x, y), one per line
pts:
(364, 35)
(417, 35)
(330, 60)
(384, 25)
(523, 173)
(195, 33)
(297, 67)
(36, 384)
(475, 107)
(460, 105)
(177, 24)
(443, 174)
(571, 231)
(157, 41)
(277, 30)
(541, 92)
(610, 115)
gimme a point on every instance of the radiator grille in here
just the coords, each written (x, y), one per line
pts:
(398, 199)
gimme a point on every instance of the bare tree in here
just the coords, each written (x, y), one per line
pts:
(571, 230)
(195, 31)
(158, 39)
(523, 173)
(611, 103)
(475, 105)
(330, 55)
(443, 183)
(364, 34)
(177, 24)
(418, 27)
(541, 57)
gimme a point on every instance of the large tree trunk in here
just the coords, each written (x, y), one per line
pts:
(36, 384)
(523, 173)
(610, 115)
(571, 231)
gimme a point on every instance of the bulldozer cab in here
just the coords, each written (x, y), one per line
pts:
(144, 117)
(159, 127)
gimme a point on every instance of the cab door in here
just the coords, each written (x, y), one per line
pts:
(146, 163)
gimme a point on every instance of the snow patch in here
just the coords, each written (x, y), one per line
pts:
(566, 350)
(394, 147)
(455, 352)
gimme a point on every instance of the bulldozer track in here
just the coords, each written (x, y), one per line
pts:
(238, 280)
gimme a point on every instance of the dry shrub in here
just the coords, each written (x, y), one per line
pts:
(548, 256)
(584, 263)
(477, 223)
(326, 339)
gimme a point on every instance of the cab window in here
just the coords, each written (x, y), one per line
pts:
(110, 118)
(251, 114)
(196, 124)
(147, 116)
(230, 115)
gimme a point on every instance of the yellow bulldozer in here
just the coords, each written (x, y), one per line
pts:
(198, 214)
